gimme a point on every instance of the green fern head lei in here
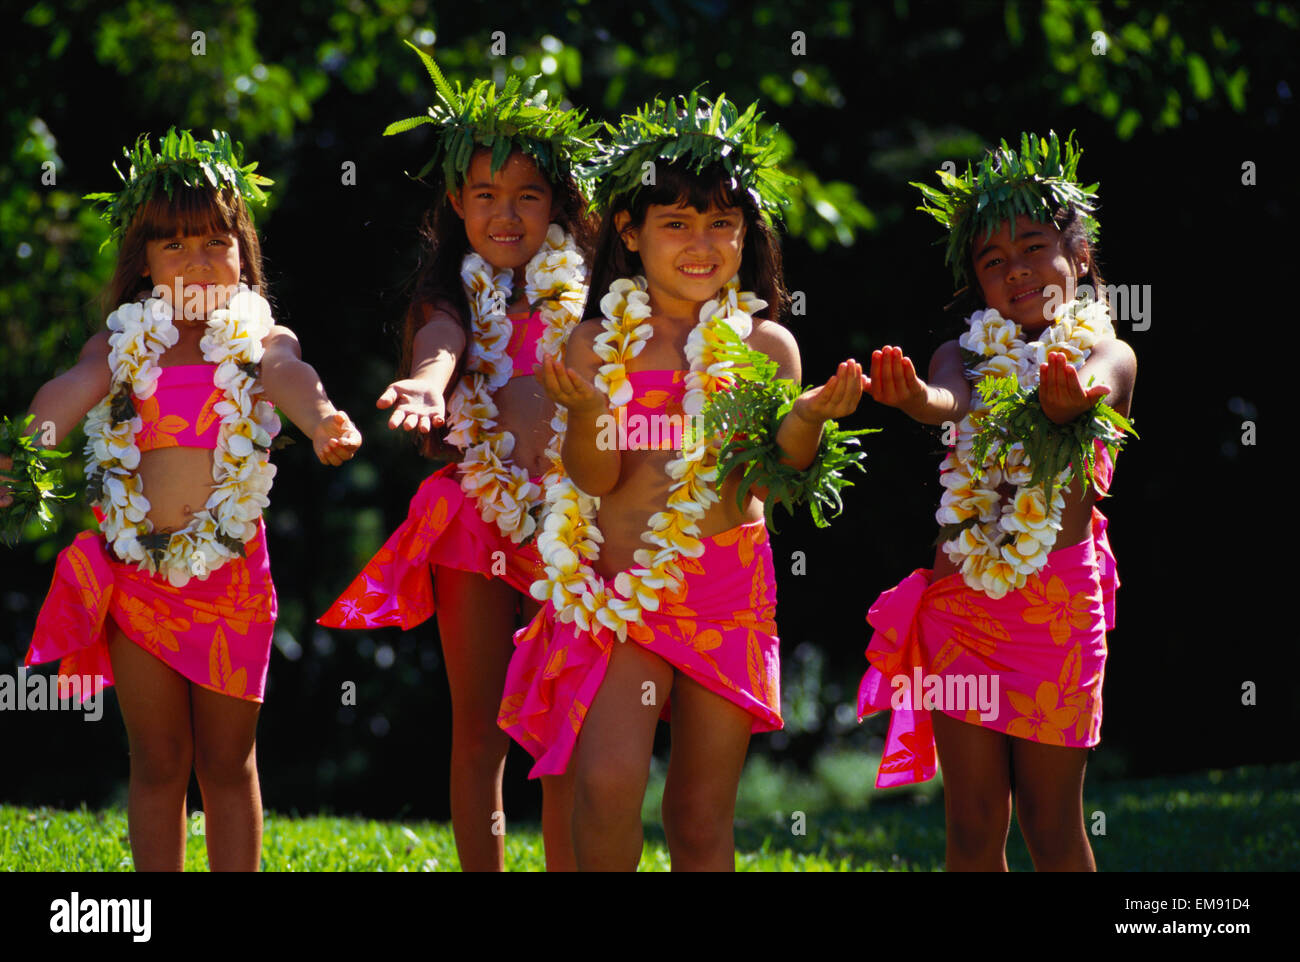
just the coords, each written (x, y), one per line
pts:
(697, 132)
(180, 161)
(512, 118)
(1037, 180)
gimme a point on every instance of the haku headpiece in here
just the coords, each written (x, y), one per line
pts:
(1036, 181)
(697, 132)
(513, 118)
(181, 161)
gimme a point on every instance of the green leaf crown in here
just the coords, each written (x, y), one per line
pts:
(513, 118)
(1035, 181)
(181, 161)
(699, 132)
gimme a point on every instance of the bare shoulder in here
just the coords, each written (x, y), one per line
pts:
(437, 309)
(1118, 354)
(947, 353)
(280, 342)
(584, 334)
(96, 348)
(1113, 362)
(776, 341)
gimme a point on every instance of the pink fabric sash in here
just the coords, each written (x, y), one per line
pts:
(442, 528)
(944, 646)
(216, 632)
(718, 629)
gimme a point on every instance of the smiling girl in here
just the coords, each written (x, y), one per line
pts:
(172, 600)
(503, 283)
(666, 590)
(1022, 588)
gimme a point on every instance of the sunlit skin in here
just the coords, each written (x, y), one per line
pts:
(1014, 276)
(175, 727)
(207, 267)
(506, 216)
(686, 256)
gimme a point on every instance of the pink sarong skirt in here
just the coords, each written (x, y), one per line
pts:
(215, 632)
(718, 628)
(442, 528)
(1029, 664)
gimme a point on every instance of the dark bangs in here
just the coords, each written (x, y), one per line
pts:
(677, 185)
(188, 213)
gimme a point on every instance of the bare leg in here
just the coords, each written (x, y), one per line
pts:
(611, 762)
(710, 738)
(476, 621)
(225, 758)
(1049, 805)
(557, 822)
(155, 703)
(976, 793)
(557, 795)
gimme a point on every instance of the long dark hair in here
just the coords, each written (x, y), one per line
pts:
(190, 212)
(437, 282)
(760, 259)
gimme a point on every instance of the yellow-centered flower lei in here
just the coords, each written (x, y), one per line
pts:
(556, 283)
(570, 538)
(241, 468)
(1027, 521)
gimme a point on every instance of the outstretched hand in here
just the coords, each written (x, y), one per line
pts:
(1061, 393)
(415, 405)
(567, 387)
(836, 398)
(893, 379)
(336, 439)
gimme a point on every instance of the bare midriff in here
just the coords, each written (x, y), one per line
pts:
(1076, 524)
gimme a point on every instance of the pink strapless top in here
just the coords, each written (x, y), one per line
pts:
(180, 411)
(522, 348)
(653, 419)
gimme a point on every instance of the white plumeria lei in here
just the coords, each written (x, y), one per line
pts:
(241, 469)
(557, 277)
(1027, 523)
(570, 538)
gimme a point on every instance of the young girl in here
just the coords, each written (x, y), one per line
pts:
(626, 626)
(1007, 634)
(503, 283)
(172, 599)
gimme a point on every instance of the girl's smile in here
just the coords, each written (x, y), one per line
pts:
(506, 214)
(687, 254)
(1017, 276)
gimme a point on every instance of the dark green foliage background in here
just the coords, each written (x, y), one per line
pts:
(882, 94)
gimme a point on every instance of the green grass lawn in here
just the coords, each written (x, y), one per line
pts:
(1234, 820)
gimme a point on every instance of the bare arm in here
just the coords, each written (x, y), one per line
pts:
(894, 382)
(419, 401)
(296, 388)
(593, 470)
(66, 398)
